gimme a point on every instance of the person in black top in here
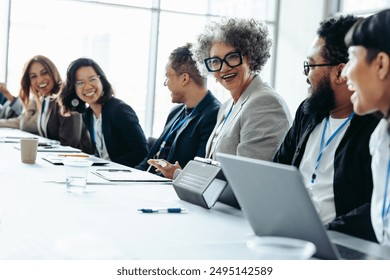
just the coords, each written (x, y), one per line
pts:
(189, 124)
(113, 125)
(328, 142)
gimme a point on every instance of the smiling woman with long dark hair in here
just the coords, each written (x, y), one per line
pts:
(113, 125)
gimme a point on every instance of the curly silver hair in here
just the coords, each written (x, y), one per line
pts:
(250, 36)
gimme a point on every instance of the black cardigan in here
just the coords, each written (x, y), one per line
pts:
(123, 135)
(352, 182)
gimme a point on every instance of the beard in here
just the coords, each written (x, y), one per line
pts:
(321, 98)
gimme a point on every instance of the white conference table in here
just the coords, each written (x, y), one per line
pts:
(39, 219)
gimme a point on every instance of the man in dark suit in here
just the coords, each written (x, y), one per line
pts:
(189, 124)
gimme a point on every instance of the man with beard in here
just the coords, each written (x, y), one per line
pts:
(328, 142)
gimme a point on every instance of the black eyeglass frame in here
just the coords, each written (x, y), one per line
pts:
(222, 60)
(306, 66)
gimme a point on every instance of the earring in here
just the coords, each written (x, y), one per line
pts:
(75, 102)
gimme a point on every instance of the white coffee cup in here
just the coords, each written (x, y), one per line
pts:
(28, 149)
(281, 248)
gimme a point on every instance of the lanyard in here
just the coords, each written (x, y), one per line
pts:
(218, 131)
(173, 128)
(220, 126)
(98, 147)
(228, 114)
(323, 147)
(386, 208)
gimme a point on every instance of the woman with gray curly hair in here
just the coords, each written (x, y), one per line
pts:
(256, 120)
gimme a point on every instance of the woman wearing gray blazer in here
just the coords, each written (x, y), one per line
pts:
(254, 126)
(256, 119)
(254, 122)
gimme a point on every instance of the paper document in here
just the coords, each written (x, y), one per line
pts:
(57, 159)
(128, 175)
(54, 148)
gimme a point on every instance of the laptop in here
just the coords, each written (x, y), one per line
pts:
(276, 203)
(227, 196)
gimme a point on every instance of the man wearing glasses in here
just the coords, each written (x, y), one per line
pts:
(328, 142)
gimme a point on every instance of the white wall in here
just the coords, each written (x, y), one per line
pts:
(299, 20)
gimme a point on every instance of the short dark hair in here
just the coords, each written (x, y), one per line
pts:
(182, 61)
(373, 33)
(68, 92)
(333, 31)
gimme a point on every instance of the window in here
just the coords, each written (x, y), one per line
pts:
(363, 7)
(119, 35)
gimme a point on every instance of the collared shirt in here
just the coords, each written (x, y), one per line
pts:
(44, 115)
(99, 138)
(321, 191)
(379, 149)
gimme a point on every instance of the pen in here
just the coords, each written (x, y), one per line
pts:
(44, 145)
(163, 210)
(74, 155)
(114, 170)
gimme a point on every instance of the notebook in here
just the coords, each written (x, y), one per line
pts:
(53, 148)
(57, 159)
(128, 175)
(276, 203)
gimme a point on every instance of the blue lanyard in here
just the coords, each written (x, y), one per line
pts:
(93, 135)
(386, 208)
(228, 114)
(323, 147)
(173, 128)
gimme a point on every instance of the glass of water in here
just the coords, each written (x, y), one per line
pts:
(76, 172)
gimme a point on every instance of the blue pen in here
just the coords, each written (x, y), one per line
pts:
(163, 210)
(114, 170)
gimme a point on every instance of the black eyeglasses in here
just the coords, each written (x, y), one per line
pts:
(232, 59)
(306, 66)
